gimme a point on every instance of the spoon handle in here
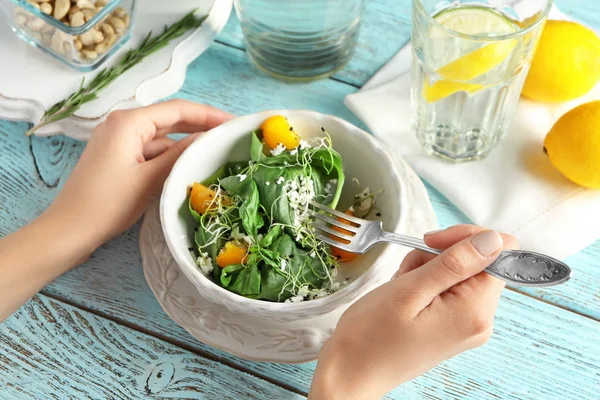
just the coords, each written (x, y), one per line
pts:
(527, 268)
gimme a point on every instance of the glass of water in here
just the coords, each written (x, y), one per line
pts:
(300, 39)
(470, 60)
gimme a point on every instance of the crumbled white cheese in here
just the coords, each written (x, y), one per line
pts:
(285, 163)
(278, 150)
(242, 177)
(295, 299)
(280, 180)
(283, 265)
(319, 294)
(312, 254)
(267, 183)
(294, 152)
(299, 197)
(335, 286)
(248, 240)
(303, 291)
(304, 145)
(205, 263)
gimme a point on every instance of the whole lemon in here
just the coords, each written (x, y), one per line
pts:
(566, 64)
(573, 145)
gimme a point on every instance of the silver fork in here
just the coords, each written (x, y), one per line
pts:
(520, 267)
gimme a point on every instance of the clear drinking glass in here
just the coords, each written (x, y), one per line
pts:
(300, 39)
(470, 60)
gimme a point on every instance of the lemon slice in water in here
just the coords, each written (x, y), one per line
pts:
(472, 21)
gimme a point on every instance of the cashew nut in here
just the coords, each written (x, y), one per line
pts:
(35, 24)
(101, 47)
(47, 29)
(85, 4)
(110, 39)
(98, 36)
(77, 19)
(88, 38)
(119, 12)
(78, 44)
(61, 8)
(73, 10)
(21, 20)
(89, 14)
(107, 29)
(46, 8)
(47, 39)
(57, 42)
(117, 24)
(89, 54)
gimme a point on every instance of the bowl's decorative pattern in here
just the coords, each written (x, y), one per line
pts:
(240, 334)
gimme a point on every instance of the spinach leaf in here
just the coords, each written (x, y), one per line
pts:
(306, 270)
(246, 189)
(202, 236)
(326, 160)
(242, 279)
(330, 162)
(273, 196)
(256, 147)
(193, 212)
(227, 169)
(271, 236)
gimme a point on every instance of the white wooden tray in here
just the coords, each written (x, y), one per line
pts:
(31, 81)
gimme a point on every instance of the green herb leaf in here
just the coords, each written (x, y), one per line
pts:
(244, 280)
(256, 147)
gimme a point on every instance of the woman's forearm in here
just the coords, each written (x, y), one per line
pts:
(34, 256)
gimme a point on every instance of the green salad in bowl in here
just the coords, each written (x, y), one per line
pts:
(252, 231)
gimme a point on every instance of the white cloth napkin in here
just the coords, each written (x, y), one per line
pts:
(515, 190)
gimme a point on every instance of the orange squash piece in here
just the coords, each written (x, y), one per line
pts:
(343, 255)
(202, 198)
(276, 130)
(232, 253)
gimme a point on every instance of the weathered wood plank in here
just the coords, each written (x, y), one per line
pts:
(52, 350)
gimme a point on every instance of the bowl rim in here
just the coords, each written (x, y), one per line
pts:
(316, 305)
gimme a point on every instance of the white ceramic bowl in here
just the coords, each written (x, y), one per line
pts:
(363, 158)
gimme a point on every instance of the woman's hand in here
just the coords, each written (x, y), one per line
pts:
(125, 164)
(121, 170)
(434, 308)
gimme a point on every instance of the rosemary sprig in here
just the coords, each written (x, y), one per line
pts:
(84, 94)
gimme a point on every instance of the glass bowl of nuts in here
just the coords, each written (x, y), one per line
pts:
(80, 33)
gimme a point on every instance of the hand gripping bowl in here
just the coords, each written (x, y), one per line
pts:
(363, 158)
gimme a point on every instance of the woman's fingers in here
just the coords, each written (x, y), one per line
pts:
(156, 147)
(441, 239)
(456, 264)
(159, 168)
(413, 260)
(173, 116)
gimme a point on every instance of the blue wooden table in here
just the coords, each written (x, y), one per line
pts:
(97, 332)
